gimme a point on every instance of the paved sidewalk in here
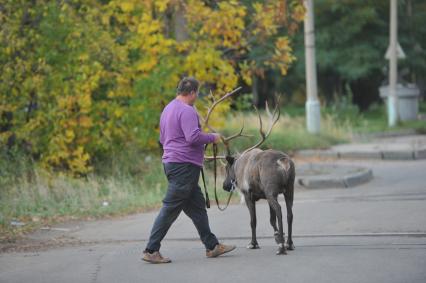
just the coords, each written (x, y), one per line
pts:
(410, 147)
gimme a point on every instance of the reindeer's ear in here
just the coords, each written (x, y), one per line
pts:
(230, 159)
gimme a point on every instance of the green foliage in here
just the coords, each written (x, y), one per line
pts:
(355, 39)
(412, 37)
(344, 111)
(244, 102)
(14, 165)
(84, 79)
(352, 37)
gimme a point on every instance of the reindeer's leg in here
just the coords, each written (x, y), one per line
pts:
(273, 220)
(272, 200)
(289, 204)
(252, 209)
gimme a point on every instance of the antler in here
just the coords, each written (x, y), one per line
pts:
(215, 103)
(225, 140)
(273, 119)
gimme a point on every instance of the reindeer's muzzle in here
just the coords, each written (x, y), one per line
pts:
(230, 186)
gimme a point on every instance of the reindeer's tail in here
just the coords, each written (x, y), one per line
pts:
(287, 165)
(284, 163)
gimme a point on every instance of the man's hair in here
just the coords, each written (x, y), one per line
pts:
(186, 85)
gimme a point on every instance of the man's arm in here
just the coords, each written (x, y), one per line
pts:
(192, 131)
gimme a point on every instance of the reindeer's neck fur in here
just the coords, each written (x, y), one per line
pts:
(245, 167)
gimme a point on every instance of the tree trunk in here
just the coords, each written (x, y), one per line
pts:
(255, 91)
(180, 24)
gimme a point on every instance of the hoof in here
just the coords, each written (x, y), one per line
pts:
(277, 238)
(281, 251)
(290, 247)
(253, 246)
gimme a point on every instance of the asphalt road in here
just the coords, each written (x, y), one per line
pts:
(375, 232)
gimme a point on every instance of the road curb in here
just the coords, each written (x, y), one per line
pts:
(354, 154)
(321, 176)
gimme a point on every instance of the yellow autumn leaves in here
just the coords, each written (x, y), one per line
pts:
(82, 79)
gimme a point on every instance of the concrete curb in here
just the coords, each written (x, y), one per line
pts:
(387, 147)
(321, 176)
(369, 136)
(367, 154)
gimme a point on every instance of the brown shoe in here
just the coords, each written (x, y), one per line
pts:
(220, 249)
(155, 257)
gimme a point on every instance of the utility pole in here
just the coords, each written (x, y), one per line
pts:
(313, 115)
(392, 99)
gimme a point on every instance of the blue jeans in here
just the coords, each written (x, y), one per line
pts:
(183, 193)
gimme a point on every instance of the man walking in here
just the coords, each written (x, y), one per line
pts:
(183, 144)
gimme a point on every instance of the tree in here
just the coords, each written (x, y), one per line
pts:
(84, 79)
(351, 40)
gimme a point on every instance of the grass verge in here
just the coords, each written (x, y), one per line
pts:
(289, 134)
(37, 198)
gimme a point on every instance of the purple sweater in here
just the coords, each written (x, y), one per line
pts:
(181, 135)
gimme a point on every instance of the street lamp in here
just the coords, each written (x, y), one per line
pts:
(313, 115)
(392, 99)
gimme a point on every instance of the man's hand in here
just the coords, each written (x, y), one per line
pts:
(217, 138)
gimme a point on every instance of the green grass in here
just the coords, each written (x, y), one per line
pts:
(376, 120)
(371, 121)
(45, 197)
(288, 134)
(37, 197)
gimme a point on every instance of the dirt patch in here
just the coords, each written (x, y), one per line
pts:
(32, 245)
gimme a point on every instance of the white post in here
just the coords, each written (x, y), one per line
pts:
(392, 99)
(313, 115)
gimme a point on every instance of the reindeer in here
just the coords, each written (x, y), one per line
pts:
(261, 174)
